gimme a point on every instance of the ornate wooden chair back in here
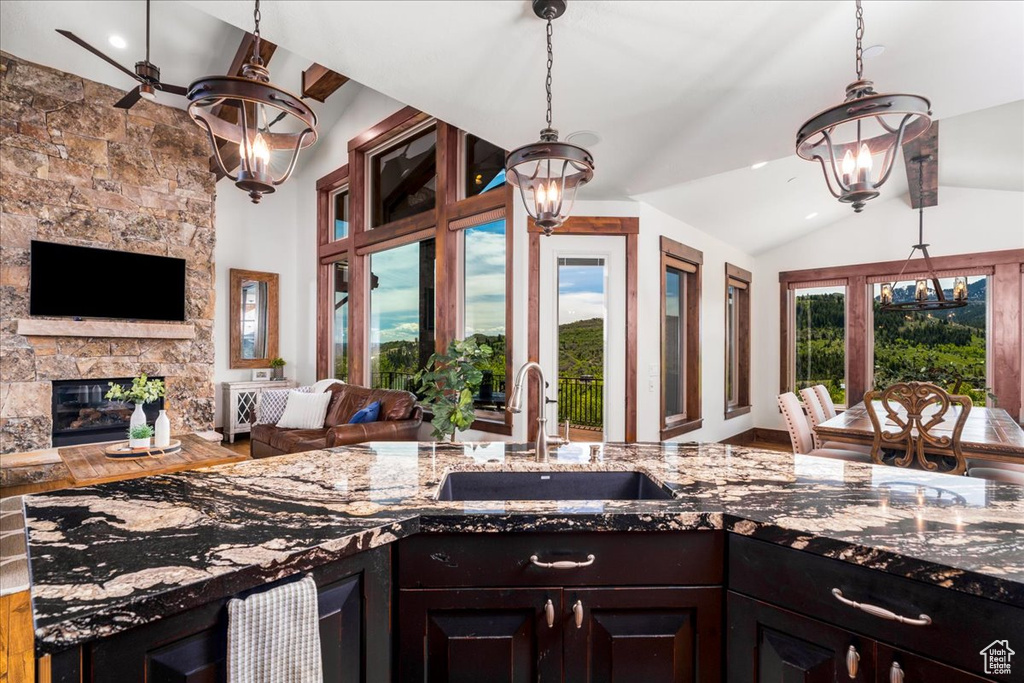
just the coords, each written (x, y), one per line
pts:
(916, 409)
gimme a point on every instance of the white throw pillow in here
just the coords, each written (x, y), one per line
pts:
(305, 411)
(325, 384)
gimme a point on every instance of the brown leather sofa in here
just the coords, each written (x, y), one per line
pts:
(399, 420)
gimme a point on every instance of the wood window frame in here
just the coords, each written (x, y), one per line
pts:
(627, 227)
(1007, 310)
(443, 223)
(741, 279)
(677, 254)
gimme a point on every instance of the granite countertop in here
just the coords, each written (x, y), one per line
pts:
(109, 557)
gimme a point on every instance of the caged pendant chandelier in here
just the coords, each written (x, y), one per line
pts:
(857, 142)
(548, 173)
(240, 110)
(924, 299)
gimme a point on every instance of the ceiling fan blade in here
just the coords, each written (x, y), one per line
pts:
(130, 98)
(175, 89)
(72, 37)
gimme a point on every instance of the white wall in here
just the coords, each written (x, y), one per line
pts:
(965, 221)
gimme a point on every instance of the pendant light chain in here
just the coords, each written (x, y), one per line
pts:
(256, 58)
(860, 38)
(551, 62)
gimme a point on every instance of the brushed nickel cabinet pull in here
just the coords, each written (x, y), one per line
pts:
(549, 613)
(852, 661)
(881, 612)
(577, 611)
(896, 673)
(561, 564)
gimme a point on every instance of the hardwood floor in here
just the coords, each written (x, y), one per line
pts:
(240, 446)
(17, 656)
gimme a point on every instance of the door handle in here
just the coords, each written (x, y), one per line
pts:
(577, 611)
(852, 661)
(881, 612)
(549, 613)
(561, 564)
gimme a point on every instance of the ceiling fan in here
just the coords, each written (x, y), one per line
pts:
(146, 73)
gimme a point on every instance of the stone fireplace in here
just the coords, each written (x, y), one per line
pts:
(77, 170)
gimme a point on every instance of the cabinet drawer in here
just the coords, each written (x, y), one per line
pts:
(620, 559)
(961, 625)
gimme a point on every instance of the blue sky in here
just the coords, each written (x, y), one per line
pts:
(580, 293)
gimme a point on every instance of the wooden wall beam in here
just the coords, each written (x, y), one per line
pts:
(319, 82)
(925, 145)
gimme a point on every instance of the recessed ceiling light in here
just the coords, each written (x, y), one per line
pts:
(760, 164)
(873, 51)
(117, 41)
(584, 138)
(811, 215)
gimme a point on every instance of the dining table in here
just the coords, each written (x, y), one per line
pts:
(989, 433)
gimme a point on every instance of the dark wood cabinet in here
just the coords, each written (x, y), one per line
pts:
(896, 666)
(191, 647)
(560, 623)
(480, 634)
(770, 644)
(656, 634)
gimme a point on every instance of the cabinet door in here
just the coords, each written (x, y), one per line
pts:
(896, 666)
(655, 635)
(768, 644)
(480, 634)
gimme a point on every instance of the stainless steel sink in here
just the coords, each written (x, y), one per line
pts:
(550, 486)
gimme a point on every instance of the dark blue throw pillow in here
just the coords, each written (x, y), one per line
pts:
(368, 414)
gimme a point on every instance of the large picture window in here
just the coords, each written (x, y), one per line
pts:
(403, 178)
(339, 214)
(483, 166)
(680, 338)
(737, 341)
(339, 349)
(947, 348)
(819, 336)
(483, 304)
(401, 313)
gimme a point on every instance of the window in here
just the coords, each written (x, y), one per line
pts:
(401, 314)
(483, 166)
(819, 336)
(483, 305)
(403, 178)
(947, 348)
(341, 297)
(339, 214)
(737, 341)
(680, 338)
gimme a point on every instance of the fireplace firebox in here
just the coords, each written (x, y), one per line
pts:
(82, 415)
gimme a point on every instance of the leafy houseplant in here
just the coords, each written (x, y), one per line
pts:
(139, 436)
(448, 383)
(277, 365)
(142, 391)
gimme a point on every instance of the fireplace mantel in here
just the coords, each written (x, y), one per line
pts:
(32, 327)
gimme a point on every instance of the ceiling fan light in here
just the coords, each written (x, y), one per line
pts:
(147, 92)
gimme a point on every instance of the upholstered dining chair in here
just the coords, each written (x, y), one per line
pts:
(802, 438)
(816, 414)
(916, 409)
(825, 399)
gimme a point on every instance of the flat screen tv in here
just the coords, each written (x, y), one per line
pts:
(83, 282)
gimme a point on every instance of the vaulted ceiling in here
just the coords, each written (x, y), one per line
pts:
(684, 95)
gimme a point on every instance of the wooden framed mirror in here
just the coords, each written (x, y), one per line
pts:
(254, 317)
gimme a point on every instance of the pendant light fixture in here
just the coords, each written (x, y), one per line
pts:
(924, 299)
(240, 111)
(857, 142)
(548, 173)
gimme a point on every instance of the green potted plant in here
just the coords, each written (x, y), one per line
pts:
(277, 367)
(448, 383)
(142, 391)
(139, 436)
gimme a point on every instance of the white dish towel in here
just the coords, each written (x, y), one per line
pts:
(274, 636)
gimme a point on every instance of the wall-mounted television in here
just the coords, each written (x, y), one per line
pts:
(84, 282)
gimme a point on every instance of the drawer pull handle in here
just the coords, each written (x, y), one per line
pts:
(881, 612)
(577, 611)
(852, 661)
(561, 564)
(549, 613)
(896, 673)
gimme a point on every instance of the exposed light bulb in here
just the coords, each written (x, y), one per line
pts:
(849, 166)
(921, 290)
(553, 194)
(541, 197)
(864, 160)
(260, 150)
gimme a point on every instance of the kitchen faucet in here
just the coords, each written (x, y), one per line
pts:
(515, 405)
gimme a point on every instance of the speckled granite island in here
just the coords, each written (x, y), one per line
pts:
(113, 561)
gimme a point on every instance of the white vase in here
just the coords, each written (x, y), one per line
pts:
(162, 437)
(138, 416)
(138, 443)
